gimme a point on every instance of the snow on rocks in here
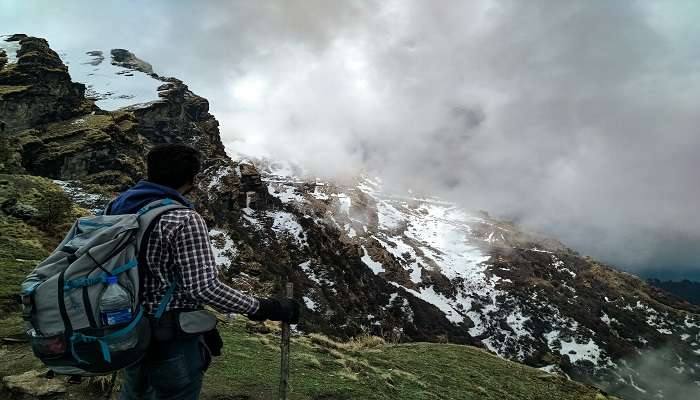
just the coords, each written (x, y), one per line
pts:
(316, 277)
(250, 219)
(439, 301)
(376, 267)
(567, 338)
(216, 177)
(93, 202)
(560, 266)
(310, 303)
(446, 257)
(319, 194)
(223, 253)
(286, 193)
(10, 48)
(111, 86)
(285, 224)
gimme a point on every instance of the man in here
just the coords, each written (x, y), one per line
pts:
(179, 248)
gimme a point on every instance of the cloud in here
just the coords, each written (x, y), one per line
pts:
(578, 119)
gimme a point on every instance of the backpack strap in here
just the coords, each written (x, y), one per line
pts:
(167, 297)
(149, 216)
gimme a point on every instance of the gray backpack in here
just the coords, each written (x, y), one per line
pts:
(83, 302)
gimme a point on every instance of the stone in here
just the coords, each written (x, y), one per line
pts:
(34, 383)
(23, 211)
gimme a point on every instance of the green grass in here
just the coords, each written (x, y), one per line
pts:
(249, 369)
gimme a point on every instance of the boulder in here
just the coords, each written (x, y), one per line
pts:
(34, 384)
(23, 211)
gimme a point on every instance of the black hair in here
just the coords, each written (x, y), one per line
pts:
(173, 165)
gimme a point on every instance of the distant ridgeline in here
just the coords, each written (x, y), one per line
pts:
(362, 261)
(685, 289)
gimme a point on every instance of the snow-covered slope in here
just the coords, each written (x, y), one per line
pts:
(524, 296)
(112, 86)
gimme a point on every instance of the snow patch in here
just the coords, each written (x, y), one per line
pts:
(576, 351)
(10, 48)
(439, 301)
(223, 254)
(373, 265)
(286, 193)
(112, 86)
(310, 304)
(216, 177)
(285, 223)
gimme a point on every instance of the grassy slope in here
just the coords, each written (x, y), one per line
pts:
(321, 368)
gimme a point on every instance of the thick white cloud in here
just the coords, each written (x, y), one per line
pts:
(579, 119)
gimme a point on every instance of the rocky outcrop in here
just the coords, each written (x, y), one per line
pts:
(96, 148)
(180, 116)
(50, 129)
(127, 59)
(36, 89)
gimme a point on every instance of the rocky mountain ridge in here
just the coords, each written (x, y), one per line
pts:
(362, 260)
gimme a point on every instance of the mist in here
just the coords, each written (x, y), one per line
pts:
(659, 373)
(576, 119)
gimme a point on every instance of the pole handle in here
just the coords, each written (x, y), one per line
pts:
(290, 290)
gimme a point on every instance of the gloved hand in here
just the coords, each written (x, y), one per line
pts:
(285, 310)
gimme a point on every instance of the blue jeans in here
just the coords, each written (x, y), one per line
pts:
(171, 370)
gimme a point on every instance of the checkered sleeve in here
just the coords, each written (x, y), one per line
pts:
(194, 256)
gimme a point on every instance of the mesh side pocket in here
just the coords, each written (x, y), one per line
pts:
(49, 347)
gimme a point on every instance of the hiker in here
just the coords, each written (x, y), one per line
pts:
(179, 249)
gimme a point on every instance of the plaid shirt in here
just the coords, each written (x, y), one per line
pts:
(180, 244)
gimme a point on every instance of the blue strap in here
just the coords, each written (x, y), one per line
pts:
(95, 224)
(167, 297)
(123, 268)
(146, 209)
(81, 282)
(85, 281)
(102, 341)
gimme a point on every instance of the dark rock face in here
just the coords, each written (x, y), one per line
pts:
(37, 88)
(181, 116)
(97, 148)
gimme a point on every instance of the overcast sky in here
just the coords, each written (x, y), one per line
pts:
(576, 118)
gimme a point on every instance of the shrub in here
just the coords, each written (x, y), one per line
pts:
(55, 206)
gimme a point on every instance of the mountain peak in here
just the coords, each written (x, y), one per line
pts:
(363, 261)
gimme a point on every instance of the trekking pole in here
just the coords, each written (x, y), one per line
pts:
(284, 363)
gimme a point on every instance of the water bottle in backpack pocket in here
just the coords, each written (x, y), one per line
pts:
(115, 304)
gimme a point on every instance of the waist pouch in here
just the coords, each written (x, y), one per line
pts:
(180, 323)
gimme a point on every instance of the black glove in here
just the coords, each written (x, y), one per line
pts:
(285, 310)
